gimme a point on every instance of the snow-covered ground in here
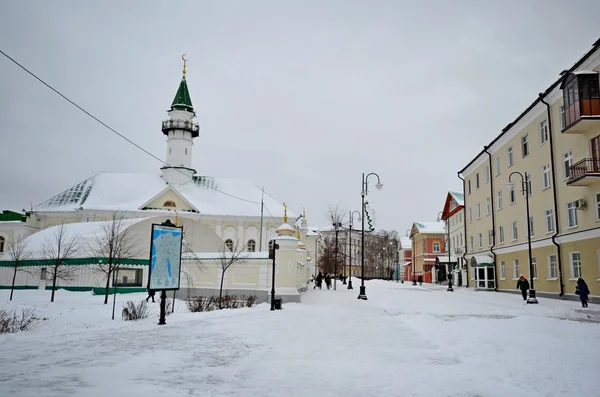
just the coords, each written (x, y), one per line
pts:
(403, 341)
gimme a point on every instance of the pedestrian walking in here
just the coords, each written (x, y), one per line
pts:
(583, 291)
(523, 285)
(151, 293)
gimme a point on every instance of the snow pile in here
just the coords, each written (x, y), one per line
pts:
(403, 341)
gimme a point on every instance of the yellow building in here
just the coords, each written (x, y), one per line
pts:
(555, 146)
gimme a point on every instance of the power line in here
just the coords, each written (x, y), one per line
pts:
(110, 128)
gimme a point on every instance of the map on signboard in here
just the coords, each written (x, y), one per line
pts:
(165, 259)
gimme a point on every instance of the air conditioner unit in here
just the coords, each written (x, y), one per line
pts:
(580, 204)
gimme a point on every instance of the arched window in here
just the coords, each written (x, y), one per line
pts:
(169, 203)
(2, 241)
(251, 246)
(229, 244)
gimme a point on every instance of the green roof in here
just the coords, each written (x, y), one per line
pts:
(7, 216)
(182, 99)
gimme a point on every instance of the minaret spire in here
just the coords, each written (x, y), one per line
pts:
(184, 64)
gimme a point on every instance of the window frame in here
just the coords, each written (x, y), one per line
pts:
(500, 199)
(515, 231)
(571, 208)
(500, 234)
(552, 267)
(516, 269)
(546, 177)
(525, 150)
(549, 220)
(572, 274)
(544, 132)
(502, 270)
(567, 163)
(511, 158)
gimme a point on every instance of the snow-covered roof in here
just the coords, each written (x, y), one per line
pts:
(444, 259)
(130, 192)
(430, 227)
(405, 242)
(87, 233)
(458, 197)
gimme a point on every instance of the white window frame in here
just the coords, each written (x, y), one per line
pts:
(516, 270)
(497, 166)
(477, 181)
(528, 183)
(502, 270)
(488, 205)
(472, 242)
(572, 209)
(515, 231)
(499, 197)
(490, 238)
(512, 196)
(549, 221)
(480, 240)
(598, 206)
(469, 186)
(534, 262)
(562, 117)
(470, 215)
(567, 163)
(478, 210)
(501, 235)
(525, 145)
(552, 267)
(546, 180)
(487, 174)
(511, 158)
(531, 225)
(572, 268)
(543, 132)
(438, 247)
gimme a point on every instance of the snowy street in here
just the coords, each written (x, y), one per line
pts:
(403, 341)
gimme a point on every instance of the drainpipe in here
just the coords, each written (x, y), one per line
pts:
(485, 148)
(465, 229)
(556, 224)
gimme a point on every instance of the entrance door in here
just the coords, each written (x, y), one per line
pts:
(481, 277)
(491, 280)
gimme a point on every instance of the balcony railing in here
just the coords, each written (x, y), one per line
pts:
(168, 125)
(584, 168)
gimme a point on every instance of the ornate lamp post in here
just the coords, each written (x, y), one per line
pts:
(350, 249)
(525, 188)
(364, 191)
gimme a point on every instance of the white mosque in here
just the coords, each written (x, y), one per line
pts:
(214, 212)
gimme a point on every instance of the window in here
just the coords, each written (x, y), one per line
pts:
(525, 145)
(597, 207)
(534, 267)
(501, 235)
(2, 243)
(502, 270)
(251, 246)
(436, 247)
(490, 237)
(511, 159)
(549, 221)
(461, 239)
(497, 165)
(575, 259)
(552, 268)
(480, 240)
(471, 241)
(515, 232)
(546, 176)
(528, 183)
(487, 174)
(469, 186)
(129, 277)
(516, 269)
(477, 181)
(229, 244)
(512, 196)
(169, 203)
(478, 210)
(543, 132)
(568, 161)
(43, 273)
(470, 214)
(531, 230)
(572, 214)
(488, 205)
(562, 118)
(499, 193)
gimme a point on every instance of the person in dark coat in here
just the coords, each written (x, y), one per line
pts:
(583, 291)
(420, 279)
(319, 281)
(523, 285)
(328, 280)
(151, 293)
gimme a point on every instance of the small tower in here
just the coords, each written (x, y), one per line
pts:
(180, 129)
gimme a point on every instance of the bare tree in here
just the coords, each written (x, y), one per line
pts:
(328, 260)
(18, 251)
(193, 262)
(56, 250)
(115, 244)
(229, 255)
(336, 216)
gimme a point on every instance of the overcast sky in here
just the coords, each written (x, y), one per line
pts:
(301, 97)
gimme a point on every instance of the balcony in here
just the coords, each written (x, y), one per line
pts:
(585, 173)
(186, 125)
(581, 98)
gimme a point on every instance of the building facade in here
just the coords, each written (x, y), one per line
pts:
(428, 242)
(453, 214)
(551, 154)
(406, 257)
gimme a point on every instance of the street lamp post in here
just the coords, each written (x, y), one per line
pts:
(275, 248)
(525, 189)
(364, 191)
(450, 267)
(336, 226)
(350, 249)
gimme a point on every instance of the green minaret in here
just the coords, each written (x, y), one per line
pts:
(182, 99)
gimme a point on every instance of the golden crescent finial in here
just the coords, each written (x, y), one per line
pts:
(184, 64)
(285, 218)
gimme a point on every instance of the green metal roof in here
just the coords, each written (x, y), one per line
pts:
(182, 99)
(73, 261)
(8, 216)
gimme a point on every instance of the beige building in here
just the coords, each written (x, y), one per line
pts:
(555, 146)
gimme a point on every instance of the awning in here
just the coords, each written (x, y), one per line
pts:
(444, 259)
(405, 264)
(481, 260)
